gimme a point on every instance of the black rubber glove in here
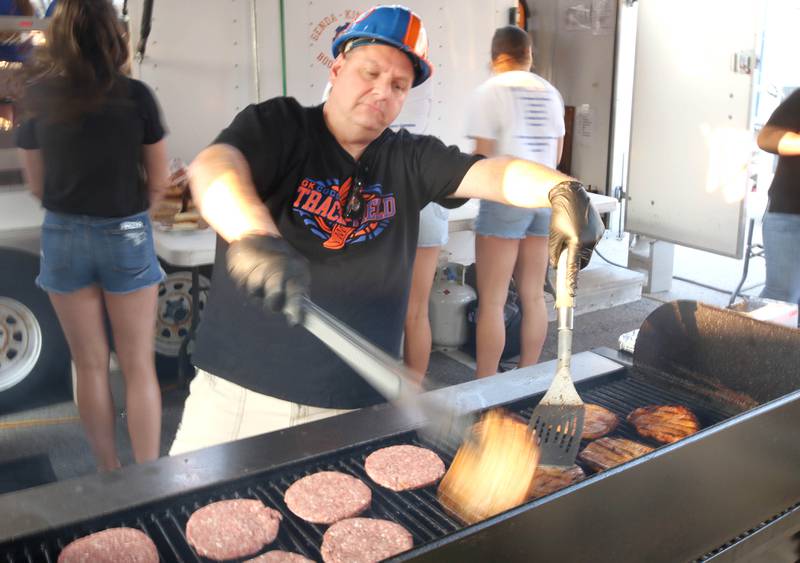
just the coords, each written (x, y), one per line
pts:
(576, 226)
(268, 269)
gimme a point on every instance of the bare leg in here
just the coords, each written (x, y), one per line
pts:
(494, 261)
(81, 316)
(133, 322)
(417, 342)
(529, 274)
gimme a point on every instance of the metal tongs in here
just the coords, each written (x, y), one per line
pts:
(446, 426)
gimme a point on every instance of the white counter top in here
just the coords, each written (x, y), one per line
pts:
(186, 248)
(19, 211)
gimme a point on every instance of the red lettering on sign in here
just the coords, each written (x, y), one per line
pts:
(322, 25)
(325, 59)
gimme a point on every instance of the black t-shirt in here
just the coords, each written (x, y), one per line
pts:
(93, 163)
(784, 193)
(360, 268)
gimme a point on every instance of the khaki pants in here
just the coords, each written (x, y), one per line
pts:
(218, 411)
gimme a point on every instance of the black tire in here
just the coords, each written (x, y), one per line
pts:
(174, 320)
(30, 375)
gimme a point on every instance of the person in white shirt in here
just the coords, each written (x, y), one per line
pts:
(515, 113)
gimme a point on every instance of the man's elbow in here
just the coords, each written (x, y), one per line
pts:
(762, 142)
(768, 138)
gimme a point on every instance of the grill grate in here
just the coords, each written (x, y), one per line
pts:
(418, 511)
(622, 395)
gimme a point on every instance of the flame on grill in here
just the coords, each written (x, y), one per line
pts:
(492, 472)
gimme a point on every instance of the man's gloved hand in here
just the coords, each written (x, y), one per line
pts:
(267, 268)
(576, 226)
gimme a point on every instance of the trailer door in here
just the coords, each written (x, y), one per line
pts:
(691, 139)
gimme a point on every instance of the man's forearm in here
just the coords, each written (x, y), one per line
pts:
(511, 181)
(780, 141)
(222, 188)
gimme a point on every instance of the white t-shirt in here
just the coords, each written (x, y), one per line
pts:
(522, 112)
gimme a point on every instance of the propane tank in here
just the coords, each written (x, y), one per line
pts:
(450, 296)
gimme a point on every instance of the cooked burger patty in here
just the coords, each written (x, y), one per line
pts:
(115, 545)
(327, 497)
(606, 453)
(364, 540)
(402, 468)
(278, 556)
(551, 478)
(232, 528)
(597, 422)
(665, 423)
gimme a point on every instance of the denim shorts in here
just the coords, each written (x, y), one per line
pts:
(782, 253)
(116, 254)
(507, 221)
(433, 226)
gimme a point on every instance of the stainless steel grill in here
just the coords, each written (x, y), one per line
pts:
(718, 495)
(418, 511)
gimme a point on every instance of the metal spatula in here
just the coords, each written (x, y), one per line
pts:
(558, 418)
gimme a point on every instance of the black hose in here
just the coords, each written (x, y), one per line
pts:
(610, 262)
(693, 282)
(144, 33)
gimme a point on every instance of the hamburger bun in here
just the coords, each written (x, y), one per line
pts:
(193, 215)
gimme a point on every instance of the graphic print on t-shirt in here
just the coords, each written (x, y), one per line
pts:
(534, 132)
(321, 205)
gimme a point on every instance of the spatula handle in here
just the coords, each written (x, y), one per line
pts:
(563, 298)
(565, 304)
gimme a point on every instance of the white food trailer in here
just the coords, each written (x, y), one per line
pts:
(677, 159)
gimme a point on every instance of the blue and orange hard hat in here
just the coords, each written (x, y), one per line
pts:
(392, 25)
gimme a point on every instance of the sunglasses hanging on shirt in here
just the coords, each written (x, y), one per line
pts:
(355, 200)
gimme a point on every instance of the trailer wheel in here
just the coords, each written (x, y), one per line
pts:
(34, 357)
(175, 317)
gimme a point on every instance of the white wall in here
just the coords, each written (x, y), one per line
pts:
(459, 51)
(199, 62)
(691, 141)
(574, 43)
(201, 58)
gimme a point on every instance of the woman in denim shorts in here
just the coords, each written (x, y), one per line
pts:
(92, 150)
(517, 113)
(417, 331)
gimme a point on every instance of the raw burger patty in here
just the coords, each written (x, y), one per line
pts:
(232, 528)
(278, 556)
(551, 478)
(364, 540)
(402, 468)
(327, 497)
(598, 422)
(665, 424)
(606, 453)
(115, 545)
